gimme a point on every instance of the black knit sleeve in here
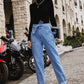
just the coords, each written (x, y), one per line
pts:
(30, 27)
(52, 18)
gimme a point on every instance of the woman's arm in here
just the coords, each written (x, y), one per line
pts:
(30, 27)
(52, 18)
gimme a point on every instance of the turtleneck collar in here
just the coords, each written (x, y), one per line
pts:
(38, 1)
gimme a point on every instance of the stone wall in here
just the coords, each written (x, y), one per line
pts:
(2, 19)
(21, 17)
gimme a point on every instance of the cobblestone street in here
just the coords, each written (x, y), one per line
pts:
(73, 65)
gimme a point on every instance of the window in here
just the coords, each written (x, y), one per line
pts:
(55, 1)
(80, 5)
(63, 8)
(81, 20)
(76, 15)
(75, 3)
(76, 18)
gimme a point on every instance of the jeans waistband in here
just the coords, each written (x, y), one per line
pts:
(44, 24)
(39, 26)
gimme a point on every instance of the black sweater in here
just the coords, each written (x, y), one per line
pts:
(45, 12)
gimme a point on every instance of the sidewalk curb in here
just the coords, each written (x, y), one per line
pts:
(66, 52)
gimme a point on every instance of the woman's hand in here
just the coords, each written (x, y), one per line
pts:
(58, 40)
(29, 44)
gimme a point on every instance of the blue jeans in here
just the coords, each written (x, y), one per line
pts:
(42, 35)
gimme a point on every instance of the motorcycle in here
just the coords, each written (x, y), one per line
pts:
(31, 61)
(13, 59)
(3, 66)
(27, 52)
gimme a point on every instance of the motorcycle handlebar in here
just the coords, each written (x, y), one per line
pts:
(26, 29)
(6, 39)
(26, 34)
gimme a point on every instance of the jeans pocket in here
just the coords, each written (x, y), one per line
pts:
(52, 36)
(49, 35)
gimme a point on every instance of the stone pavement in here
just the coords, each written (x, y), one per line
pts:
(73, 65)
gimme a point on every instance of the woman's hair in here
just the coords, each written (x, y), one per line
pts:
(33, 1)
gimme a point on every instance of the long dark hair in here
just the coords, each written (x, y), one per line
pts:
(33, 1)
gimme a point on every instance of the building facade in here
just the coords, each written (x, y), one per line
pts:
(69, 16)
(2, 18)
(14, 15)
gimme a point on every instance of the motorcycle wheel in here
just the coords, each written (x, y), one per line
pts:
(31, 64)
(47, 60)
(15, 74)
(3, 73)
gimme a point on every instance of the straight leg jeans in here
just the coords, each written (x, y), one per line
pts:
(42, 35)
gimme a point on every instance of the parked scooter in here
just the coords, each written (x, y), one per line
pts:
(13, 59)
(3, 66)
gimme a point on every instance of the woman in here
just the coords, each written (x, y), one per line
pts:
(40, 34)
